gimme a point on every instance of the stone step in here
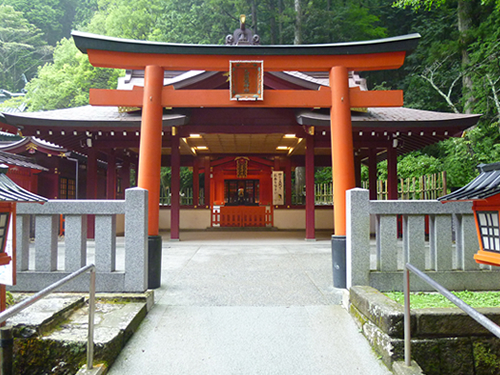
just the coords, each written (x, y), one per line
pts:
(51, 335)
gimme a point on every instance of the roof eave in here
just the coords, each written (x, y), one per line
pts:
(87, 41)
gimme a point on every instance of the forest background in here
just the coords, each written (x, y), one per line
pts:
(455, 68)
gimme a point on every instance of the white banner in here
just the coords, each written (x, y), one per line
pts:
(278, 188)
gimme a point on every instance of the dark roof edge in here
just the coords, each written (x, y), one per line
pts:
(85, 41)
(307, 117)
(19, 121)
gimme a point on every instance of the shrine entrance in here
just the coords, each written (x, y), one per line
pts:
(242, 194)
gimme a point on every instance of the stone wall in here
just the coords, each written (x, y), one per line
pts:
(48, 258)
(439, 239)
(444, 340)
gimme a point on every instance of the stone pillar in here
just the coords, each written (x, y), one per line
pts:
(310, 196)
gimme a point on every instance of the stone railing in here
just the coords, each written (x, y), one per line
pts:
(445, 252)
(37, 263)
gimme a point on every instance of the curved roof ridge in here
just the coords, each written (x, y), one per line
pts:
(88, 41)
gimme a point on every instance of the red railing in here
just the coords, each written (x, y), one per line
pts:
(242, 216)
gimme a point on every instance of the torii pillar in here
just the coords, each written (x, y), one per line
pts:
(150, 164)
(342, 167)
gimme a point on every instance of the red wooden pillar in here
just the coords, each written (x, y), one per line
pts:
(126, 174)
(342, 145)
(392, 173)
(357, 170)
(196, 183)
(310, 196)
(288, 182)
(150, 143)
(91, 187)
(175, 184)
(277, 163)
(111, 176)
(207, 181)
(372, 173)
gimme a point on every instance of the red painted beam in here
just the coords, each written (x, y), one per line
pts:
(220, 98)
(311, 63)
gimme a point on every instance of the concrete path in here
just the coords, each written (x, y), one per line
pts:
(247, 303)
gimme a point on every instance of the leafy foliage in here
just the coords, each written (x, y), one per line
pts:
(21, 49)
(415, 164)
(53, 17)
(66, 82)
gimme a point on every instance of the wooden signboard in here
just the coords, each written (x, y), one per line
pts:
(246, 80)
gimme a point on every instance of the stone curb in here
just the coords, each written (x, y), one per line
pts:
(399, 368)
(96, 370)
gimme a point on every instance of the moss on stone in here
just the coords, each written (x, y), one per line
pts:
(486, 356)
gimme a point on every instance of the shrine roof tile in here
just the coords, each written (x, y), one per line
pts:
(19, 161)
(486, 185)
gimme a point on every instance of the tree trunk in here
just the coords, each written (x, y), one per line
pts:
(280, 21)
(254, 17)
(272, 21)
(298, 23)
(464, 26)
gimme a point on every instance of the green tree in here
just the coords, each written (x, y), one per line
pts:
(485, 69)
(53, 17)
(470, 14)
(66, 82)
(415, 164)
(21, 49)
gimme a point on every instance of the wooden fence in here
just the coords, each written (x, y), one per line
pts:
(186, 197)
(429, 186)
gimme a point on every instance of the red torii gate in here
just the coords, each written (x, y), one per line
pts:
(154, 58)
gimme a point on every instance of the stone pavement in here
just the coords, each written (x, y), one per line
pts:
(247, 303)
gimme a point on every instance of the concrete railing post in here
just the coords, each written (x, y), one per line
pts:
(75, 233)
(136, 239)
(23, 242)
(358, 237)
(105, 243)
(46, 230)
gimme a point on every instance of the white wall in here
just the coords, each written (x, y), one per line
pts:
(296, 218)
(283, 218)
(189, 219)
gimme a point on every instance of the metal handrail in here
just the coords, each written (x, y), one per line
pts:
(44, 292)
(474, 314)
